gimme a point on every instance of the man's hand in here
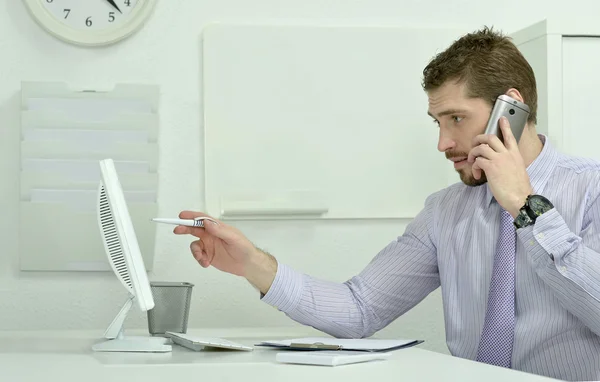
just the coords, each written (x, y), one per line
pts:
(227, 249)
(503, 166)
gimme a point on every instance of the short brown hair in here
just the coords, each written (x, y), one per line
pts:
(489, 64)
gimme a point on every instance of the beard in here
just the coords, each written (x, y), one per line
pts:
(466, 174)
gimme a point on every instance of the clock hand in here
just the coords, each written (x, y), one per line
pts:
(112, 2)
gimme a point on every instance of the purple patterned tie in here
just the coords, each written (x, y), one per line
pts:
(497, 337)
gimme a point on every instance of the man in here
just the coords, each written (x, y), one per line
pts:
(514, 246)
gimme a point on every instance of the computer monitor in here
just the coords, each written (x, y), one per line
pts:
(125, 258)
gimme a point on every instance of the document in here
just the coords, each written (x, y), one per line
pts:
(324, 343)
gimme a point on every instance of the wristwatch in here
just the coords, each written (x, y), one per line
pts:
(535, 205)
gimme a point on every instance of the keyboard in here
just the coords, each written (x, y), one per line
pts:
(197, 343)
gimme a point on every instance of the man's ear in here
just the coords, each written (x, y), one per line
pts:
(514, 93)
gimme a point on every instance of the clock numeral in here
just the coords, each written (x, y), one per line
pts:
(88, 21)
(128, 3)
(111, 17)
(67, 11)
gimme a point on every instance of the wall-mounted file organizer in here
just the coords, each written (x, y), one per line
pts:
(64, 134)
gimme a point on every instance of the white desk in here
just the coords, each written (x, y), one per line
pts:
(67, 357)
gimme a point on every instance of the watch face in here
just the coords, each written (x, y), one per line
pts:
(522, 220)
(538, 204)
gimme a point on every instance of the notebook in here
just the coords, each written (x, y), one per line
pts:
(329, 358)
(324, 343)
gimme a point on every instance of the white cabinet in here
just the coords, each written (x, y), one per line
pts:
(581, 83)
(566, 60)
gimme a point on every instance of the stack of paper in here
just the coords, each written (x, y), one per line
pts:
(324, 343)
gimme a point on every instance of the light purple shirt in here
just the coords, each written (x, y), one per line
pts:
(451, 243)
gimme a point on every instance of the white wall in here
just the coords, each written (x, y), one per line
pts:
(166, 52)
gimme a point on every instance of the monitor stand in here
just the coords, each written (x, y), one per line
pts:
(118, 342)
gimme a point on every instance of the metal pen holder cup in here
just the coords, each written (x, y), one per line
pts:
(171, 307)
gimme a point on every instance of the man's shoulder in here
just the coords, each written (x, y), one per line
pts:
(451, 194)
(579, 172)
(578, 164)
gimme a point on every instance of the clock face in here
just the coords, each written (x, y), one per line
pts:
(91, 22)
(91, 15)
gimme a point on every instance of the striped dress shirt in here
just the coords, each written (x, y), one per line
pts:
(451, 244)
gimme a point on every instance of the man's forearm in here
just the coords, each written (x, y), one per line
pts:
(261, 270)
(567, 264)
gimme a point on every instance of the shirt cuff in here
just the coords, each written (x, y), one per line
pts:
(548, 239)
(287, 288)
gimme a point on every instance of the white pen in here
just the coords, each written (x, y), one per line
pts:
(197, 222)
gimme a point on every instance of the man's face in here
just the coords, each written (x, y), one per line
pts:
(460, 119)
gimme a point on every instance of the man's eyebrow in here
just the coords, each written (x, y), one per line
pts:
(448, 112)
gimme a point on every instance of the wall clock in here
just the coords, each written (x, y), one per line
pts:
(91, 22)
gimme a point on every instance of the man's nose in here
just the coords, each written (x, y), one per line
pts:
(445, 142)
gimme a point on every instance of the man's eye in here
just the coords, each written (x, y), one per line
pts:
(457, 119)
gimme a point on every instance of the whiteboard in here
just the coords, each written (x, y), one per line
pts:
(322, 122)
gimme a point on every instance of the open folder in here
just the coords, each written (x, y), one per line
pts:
(323, 343)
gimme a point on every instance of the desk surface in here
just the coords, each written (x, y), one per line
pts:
(67, 356)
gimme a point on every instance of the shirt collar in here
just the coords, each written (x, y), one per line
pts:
(539, 170)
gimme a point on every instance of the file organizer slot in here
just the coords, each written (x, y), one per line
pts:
(134, 127)
(64, 133)
(81, 169)
(31, 180)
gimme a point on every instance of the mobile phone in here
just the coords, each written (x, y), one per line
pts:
(515, 111)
